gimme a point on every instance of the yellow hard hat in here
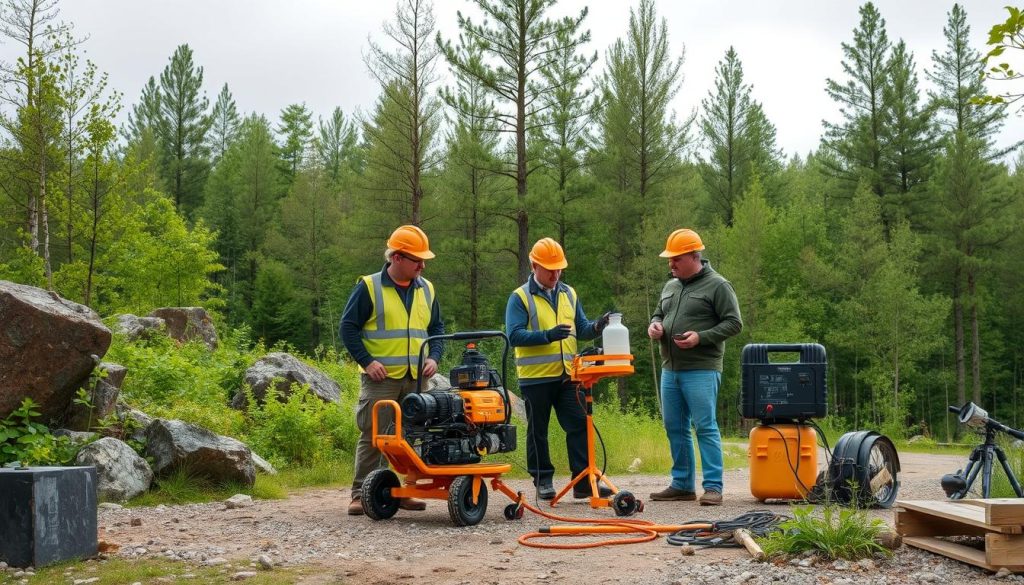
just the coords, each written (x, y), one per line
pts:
(682, 241)
(549, 254)
(411, 240)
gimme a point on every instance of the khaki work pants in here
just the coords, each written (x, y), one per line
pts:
(369, 458)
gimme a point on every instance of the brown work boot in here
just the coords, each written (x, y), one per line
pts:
(711, 499)
(671, 494)
(412, 504)
(355, 507)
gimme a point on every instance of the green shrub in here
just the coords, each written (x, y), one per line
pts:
(301, 428)
(839, 533)
(29, 442)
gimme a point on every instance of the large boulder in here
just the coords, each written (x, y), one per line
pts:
(133, 422)
(134, 327)
(121, 474)
(102, 396)
(188, 323)
(174, 444)
(282, 370)
(48, 347)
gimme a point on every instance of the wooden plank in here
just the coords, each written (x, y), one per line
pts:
(1001, 511)
(968, 514)
(1004, 549)
(956, 551)
(916, 523)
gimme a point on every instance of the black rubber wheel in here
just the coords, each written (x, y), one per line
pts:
(460, 502)
(624, 504)
(882, 484)
(378, 503)
(514, 512)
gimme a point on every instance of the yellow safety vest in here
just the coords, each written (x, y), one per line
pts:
(392, 334)
(552, 359)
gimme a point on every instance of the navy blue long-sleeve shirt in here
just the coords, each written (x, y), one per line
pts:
(360, 306)
(517, 317)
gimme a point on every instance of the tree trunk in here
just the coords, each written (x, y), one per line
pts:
(975, 338)
(44, 222)
(958, 338)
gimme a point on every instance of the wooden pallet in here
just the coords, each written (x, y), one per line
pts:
(999, 521)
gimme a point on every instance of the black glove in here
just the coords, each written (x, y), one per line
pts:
(602, 322)
(558, 332)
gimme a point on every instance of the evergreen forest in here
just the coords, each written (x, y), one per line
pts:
(895, 243)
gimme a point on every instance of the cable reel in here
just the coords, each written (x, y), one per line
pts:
(863, 472)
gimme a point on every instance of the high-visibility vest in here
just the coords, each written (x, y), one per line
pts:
(392, 334)
(555, 358)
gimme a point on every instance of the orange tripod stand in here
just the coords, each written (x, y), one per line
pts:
(587, 370)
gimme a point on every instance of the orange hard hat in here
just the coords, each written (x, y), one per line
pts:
(549, 254)
(412, 241)
(682, 241)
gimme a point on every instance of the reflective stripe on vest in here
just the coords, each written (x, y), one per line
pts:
(392, 334)
(551, 359)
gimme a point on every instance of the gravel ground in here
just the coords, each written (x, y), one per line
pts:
(310, 528)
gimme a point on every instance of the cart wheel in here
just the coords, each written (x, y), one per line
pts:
(378, 503)
(460, 501)
(625, 504)
(514, 512)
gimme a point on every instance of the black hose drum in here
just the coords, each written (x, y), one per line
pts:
(47, 514)
(783, 392)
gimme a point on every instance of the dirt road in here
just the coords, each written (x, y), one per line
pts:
(310, 528)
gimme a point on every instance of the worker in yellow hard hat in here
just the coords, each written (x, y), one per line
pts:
(697, 312)
(388, 317)
(543, 319)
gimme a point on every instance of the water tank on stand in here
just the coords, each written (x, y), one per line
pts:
(615, 340)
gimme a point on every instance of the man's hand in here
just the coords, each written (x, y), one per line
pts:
(602, 322)
(375, 370)
(655, 330)
(686, 340)
(429, 368)
(558, 332)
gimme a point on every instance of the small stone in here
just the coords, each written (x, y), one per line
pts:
(136, 522)
(110, 506)
(928, 577)
(141, 551)
(746, 576)
(241, 575)
(266, 562)
(495, 541)
(686, 550)
(214, 562)
(866, 564)
(238, 501)
(805, 563)
(18, 574)
(1003, 573)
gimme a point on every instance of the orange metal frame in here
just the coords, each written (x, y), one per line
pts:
(588, 370)
(430, 481)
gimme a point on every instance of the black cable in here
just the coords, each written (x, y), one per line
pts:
(789, 460)
(757, 522)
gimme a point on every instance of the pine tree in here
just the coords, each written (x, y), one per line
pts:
(856, 146)
(336, 145)
(181, 131)
(739, 138)
(295, 132)
(518, 40)
(405, 77)
(224, 122)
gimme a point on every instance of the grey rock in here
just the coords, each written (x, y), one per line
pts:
(266, 562)
(262, 465)
(242, 575)
(48, 347)
(239, 501)
(139, 421)
(282, 370)
(103, 398)
(187, 324)
(76, 437)
(175, 444)
(134, 327)
(121, 474)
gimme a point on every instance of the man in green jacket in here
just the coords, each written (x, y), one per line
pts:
(697, 312)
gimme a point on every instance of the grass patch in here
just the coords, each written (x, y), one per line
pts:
(123, 571)
(181, 487)
(838, 533)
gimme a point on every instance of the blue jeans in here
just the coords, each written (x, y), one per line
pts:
(690, 397)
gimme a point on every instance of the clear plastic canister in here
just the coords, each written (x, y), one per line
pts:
(615, 340)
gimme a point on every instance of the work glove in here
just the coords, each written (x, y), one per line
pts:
(558, 332)
(602, 322)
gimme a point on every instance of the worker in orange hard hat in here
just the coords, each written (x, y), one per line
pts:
(697, 312)
(543, 319)
(388, 317)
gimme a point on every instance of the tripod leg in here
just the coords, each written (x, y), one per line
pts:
(986, 474)
(970, 473)
(1009, 472)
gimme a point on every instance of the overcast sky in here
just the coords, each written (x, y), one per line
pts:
(273, 53)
